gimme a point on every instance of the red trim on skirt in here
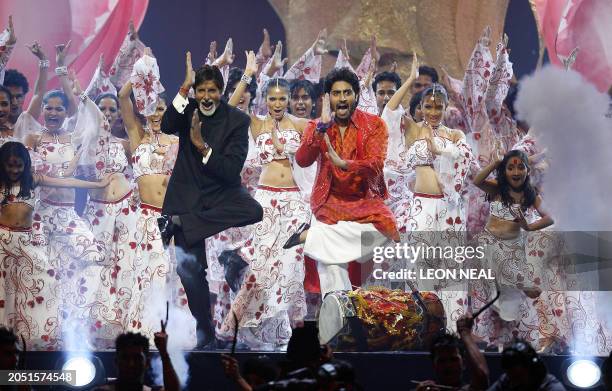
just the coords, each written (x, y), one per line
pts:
(425, 195)
(151, 207)
(15, 229)
(277, 189)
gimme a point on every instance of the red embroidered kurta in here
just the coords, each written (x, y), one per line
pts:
(357, 193)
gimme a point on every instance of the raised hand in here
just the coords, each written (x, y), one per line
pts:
(465, 324)
(345, 50)
(318, 46)
(277, 58)
(76, 86)
(189, 73)
(148, 52)
(374, 50)
(161, 339)
(326, 113)
(133, 34)
(230, 367)
(265, 49)
(485, 38)
(61, 51)
(12, 38)
(212, 53)
(394, 67)
(195, 134)
(251, 63)
(36, 50)
(227, 57)
(333, 156)
(414, 67)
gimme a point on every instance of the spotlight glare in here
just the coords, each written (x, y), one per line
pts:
(583, 373)
(85, 370)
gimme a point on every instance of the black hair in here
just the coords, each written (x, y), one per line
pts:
(26, 182)
(132, 339)
(529, 191)
(233, 78)
(276, 82)
(522, 354)
(310, 88)
(429, 71)
(14, 78)
(414, 102)
(342, 74)
(387, 76)
(106, 95)
(262, 366)
(7, 92)
(56, 94)
(206, 73)
(435, 90)
(511, 98)
(7, 336)
(445, 340)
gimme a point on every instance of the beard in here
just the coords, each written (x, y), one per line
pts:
(208, 112)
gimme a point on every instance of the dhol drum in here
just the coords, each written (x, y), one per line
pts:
(379, 319)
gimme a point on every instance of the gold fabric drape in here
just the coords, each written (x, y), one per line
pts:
(442, 32)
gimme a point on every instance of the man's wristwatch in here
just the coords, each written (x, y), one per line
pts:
(323, 126)
(204, 149)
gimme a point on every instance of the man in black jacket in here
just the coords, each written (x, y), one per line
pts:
(204, 195)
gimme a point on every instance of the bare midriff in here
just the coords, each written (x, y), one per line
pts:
(503, 229)
(426, 181)
(152, 189)
(277, 173)
(118, 188)
(16, 215)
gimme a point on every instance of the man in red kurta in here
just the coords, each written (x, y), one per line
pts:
(350, 217)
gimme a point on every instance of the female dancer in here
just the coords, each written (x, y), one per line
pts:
(511, 196)
(271, 299)
(31, 295)
(111, 213)
(153, 155)
(434, 212)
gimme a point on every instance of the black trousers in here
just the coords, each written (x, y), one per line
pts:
(237, 210)
(193, 277)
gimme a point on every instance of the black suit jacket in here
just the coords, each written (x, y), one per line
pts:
(195, 186)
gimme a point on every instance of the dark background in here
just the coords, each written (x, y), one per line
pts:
(172, 28)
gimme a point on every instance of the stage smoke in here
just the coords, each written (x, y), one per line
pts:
(181, 325)
(567, 115)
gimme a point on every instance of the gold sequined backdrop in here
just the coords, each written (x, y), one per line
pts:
(442, 32)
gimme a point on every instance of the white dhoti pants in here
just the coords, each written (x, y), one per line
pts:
(333, 246)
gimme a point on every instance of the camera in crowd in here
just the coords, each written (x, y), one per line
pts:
(333, 375)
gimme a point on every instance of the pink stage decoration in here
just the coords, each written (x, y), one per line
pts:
(587, 24)
(94, 26)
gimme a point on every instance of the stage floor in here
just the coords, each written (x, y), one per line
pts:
(374, 370)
